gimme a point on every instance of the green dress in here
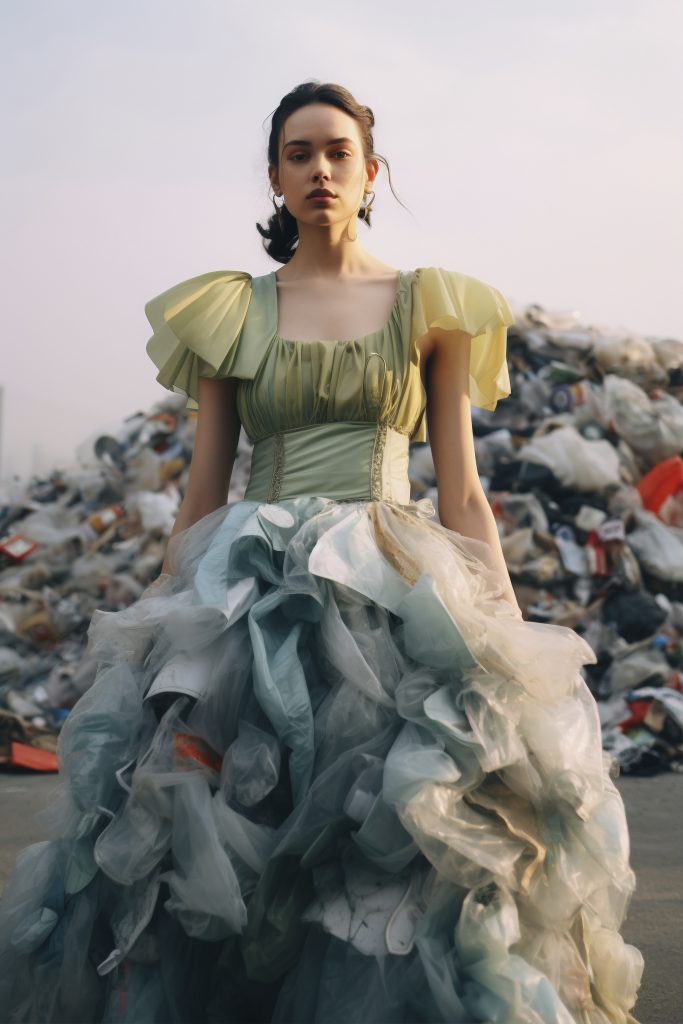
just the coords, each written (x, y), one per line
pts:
(326, 772)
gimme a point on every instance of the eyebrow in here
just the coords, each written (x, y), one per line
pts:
(305, 142)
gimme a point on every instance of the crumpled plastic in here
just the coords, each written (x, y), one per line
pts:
(372, 713)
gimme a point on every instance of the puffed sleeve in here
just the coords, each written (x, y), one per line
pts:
(197, 326)
(455, 301)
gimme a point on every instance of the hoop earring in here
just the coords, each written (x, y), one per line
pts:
(367, 205)
(365, 209)
(278, 209)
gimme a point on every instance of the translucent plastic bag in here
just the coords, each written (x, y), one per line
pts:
(652, 427)
(576, 462)
(657, 548)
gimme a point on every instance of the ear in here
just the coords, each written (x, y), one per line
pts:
(274, 180)
(371, 169)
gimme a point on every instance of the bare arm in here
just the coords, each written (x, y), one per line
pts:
(213, 455)
(463, 505)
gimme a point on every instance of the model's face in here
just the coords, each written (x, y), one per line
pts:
(320, 148)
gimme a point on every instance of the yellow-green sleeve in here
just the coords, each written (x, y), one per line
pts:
(455, 301)
(197, 325)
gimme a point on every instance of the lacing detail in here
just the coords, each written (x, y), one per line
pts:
(407, 431)
(376, 463)
(278, 467)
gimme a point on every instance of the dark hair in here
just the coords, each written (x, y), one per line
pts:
(281, 234)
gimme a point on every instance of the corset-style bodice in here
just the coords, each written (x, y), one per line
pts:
(331, 418)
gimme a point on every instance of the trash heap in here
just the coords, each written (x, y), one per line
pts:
(583, 470)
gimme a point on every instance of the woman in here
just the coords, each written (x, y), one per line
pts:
(326, 771)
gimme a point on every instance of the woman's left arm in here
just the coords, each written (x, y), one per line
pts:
(463, 505)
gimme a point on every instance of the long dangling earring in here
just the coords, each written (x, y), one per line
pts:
(363, 211)
(354, 221)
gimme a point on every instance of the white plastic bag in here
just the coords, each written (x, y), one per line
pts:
(576, 462)
(653, 428)
(656, 547)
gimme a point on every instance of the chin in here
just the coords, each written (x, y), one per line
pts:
(318, 219)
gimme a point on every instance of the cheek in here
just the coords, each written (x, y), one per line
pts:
(293, 171)
(290, 172)
(351, 174)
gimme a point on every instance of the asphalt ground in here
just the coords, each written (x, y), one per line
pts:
(654, 808)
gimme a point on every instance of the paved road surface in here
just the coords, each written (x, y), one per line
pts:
(655, 921)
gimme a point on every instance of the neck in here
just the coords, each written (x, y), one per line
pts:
(327, 251)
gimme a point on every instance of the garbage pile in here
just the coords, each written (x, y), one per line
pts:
(89, 537)
(583, 469)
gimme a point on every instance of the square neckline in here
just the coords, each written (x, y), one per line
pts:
(403, 275)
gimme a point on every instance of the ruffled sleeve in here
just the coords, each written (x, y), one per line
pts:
(197, 326)
(455, 301)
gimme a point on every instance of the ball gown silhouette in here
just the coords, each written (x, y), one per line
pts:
(326, 772)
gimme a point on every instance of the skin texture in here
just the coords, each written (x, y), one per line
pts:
(333, 289)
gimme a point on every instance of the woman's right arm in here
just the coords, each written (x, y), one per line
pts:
(213, 453)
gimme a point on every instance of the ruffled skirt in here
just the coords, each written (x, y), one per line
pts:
(326, 773)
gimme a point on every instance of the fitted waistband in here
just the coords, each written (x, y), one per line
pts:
(342, 460)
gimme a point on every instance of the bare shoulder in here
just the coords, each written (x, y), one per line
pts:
(383, 269)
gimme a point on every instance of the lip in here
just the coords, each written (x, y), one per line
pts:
(320, 194)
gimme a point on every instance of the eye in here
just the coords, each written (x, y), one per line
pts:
(343, 152)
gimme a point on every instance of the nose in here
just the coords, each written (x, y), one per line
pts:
(321, 171)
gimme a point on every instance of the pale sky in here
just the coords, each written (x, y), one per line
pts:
(537, 146)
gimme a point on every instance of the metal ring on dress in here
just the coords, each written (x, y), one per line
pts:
(365, 380)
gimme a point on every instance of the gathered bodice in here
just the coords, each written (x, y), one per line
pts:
(326, 417)
(372, 379)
